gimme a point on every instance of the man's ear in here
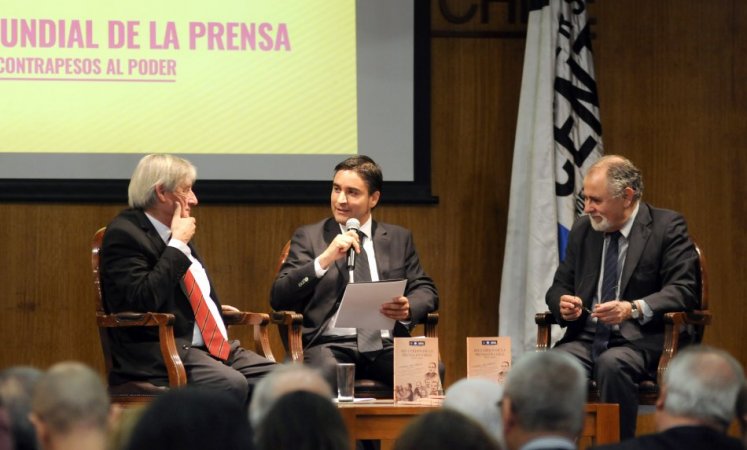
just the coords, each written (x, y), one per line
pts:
(42, 433)
(160, 193)
(507, 416)
(661, 399)
(628, 194)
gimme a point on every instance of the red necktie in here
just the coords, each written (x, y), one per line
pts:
(214, 341)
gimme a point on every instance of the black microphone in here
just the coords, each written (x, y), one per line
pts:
(352, 224)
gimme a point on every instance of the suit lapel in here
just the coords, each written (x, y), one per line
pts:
(382, 245)
(594, 255)
(637, 239)
(150, 231)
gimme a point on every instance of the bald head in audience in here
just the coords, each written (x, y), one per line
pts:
(477, 398)
(282, 380)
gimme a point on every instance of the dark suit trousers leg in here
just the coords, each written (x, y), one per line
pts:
(378, 365)
(616, 372)
(236, 376)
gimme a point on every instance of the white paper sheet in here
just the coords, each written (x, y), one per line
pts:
(361, 303)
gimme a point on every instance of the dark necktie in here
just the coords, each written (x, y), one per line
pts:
(609, 292)
(368, 340)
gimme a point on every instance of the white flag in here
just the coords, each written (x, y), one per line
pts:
(558, 136)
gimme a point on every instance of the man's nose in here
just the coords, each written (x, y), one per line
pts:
(342, 198)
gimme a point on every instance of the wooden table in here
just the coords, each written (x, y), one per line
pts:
(383, 420)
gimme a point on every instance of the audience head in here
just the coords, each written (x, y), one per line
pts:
(192, 418)
(477, 398)
(70, 400)
(445, 429)
(701, 384)
(282, 380)
(302, 420)
(544, 394)
(155, 170)
(16, 388)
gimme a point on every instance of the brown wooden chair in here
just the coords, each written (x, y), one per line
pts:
(289, 325)
(693, 321)
(142, 391)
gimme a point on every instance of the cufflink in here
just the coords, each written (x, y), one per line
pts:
(304, 281)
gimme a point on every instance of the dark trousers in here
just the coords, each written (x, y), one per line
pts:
(237, 375)
(328, 351)
(617, 372)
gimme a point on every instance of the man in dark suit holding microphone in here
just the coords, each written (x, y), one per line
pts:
(314, 276)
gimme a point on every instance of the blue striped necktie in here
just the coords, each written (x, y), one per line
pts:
(609, 292)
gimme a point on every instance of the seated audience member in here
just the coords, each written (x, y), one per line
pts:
(193, 418)
(696, 404)
(16, 388)
(70, 408)
(282, 380)
(543, 402)
(477, 398)
(148, 263)
(445, 429)
(303, 420)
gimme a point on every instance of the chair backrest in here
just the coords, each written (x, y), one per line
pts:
(98, 238)
(283, 256)
(699, 330)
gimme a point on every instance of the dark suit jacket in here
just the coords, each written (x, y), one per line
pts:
(661, 267)
(297, 287)
(680, 438)
(139, 272)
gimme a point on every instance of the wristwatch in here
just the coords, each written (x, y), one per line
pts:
(635, 313)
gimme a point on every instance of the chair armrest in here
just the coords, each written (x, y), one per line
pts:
(165, 324)
(289, 324)
(673, 324)
(259, 322)
(544, 320)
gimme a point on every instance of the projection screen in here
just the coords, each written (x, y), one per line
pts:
(265, 97)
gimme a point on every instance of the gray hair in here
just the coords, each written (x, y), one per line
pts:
(69, 395)
(703, 383)
(547, 392)
(478, 399)
(154, 170)
(621, 174)
(282, 380)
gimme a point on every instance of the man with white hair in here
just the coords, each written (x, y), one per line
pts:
(696, 404)
(148, 263)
